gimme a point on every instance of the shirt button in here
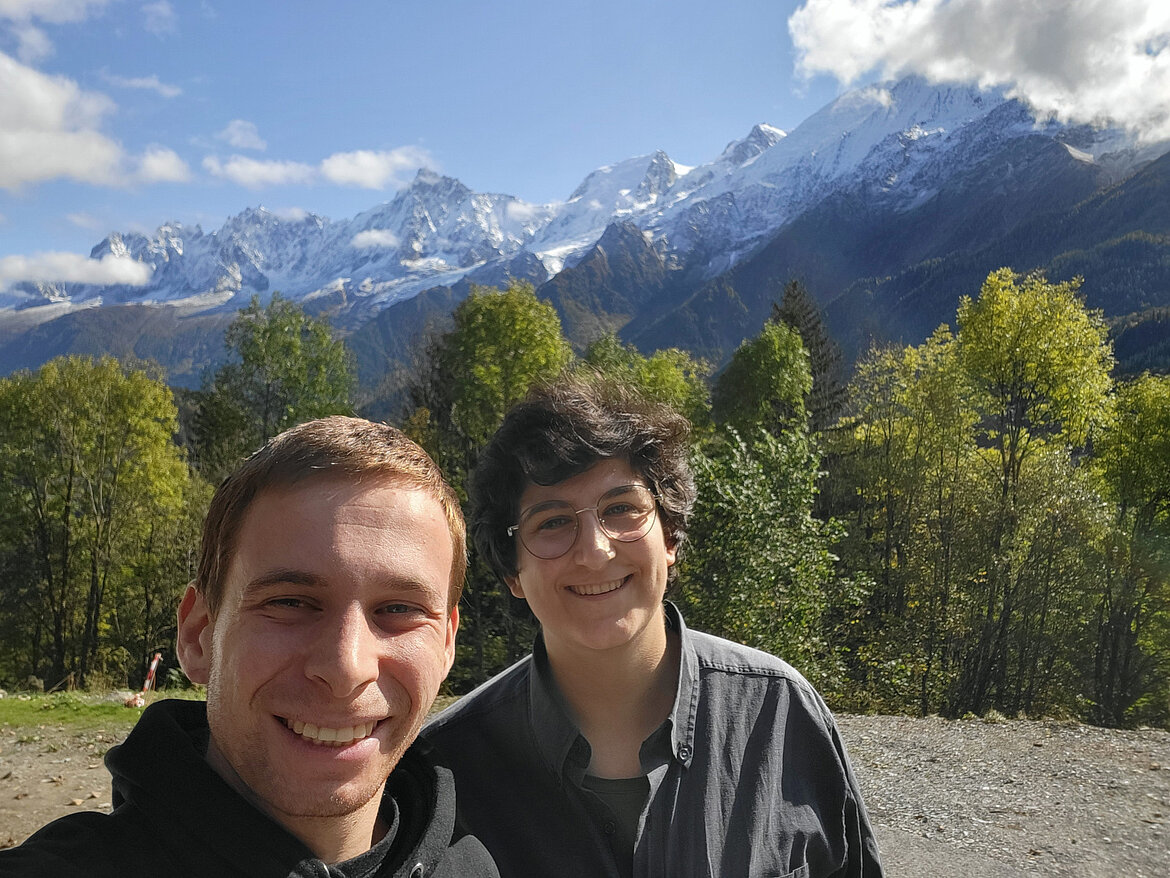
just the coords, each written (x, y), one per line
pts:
(684, 752)
(609, 828)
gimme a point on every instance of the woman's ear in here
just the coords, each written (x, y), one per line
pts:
(514, 586)
(193, 643)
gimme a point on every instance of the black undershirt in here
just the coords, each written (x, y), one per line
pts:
(625, 798)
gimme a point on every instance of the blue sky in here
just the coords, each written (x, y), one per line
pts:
(522, 96)
(123, 114)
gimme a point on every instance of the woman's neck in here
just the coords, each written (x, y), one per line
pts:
(619, 696)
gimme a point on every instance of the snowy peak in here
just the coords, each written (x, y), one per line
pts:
(898, 141)
(759, 139)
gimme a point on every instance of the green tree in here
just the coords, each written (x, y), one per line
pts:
(1131, 661)
(284, 368)
(87, 465)
(500, 345)
(765, 384)
(1038, 363)
(670, 376)
(757, 567)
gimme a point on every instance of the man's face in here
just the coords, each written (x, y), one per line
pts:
(329, 646)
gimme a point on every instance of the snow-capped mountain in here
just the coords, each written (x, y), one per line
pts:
(898, 145)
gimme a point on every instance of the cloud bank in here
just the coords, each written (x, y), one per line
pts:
(367, 169)
(73, 268)
(374, 239)
(1096, 61)
(50, 129)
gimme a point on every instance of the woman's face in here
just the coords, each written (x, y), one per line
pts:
(602, 593)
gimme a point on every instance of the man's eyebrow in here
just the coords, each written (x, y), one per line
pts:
(282, 577)
(403, 582)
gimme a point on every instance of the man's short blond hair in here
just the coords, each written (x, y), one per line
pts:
(352, 449)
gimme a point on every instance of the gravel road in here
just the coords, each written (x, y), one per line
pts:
(975, 798)
(960, 798)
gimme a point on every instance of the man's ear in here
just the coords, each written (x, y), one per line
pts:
(194, 638)
(452, 628)
(671, 551)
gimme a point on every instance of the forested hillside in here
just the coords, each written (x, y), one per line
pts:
(977, 522)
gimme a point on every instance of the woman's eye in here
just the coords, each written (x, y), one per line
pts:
(555, 522)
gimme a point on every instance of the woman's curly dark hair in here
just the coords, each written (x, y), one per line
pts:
(562, 429)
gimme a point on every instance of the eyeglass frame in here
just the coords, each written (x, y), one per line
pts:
(514, 530)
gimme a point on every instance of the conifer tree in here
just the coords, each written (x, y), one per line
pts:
(797, 309)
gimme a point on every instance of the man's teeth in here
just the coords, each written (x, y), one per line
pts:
(598, 588)
(336, 737)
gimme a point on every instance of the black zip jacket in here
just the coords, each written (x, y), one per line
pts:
(174, 816)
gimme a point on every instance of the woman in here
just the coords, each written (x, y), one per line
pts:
(627, 744)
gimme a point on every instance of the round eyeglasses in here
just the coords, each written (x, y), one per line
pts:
(548, 530)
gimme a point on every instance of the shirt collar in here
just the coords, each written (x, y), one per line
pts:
(557, 736)
(686, 699)
(562, 747)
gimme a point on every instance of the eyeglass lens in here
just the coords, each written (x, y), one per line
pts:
(626, 513)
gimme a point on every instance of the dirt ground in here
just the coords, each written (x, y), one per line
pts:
(957, 798)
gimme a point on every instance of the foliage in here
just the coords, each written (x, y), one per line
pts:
(757, 568)
(765, 384)
(500, 345)
(826, 398)
(285, 368)
(670, 376)
(88, 473)
(1005, 567)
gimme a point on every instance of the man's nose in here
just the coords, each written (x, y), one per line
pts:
(344, 655)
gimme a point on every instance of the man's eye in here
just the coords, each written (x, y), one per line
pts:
(621, 509)
(291, 603)
(398, 609)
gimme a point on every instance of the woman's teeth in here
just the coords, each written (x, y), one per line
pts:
(598, 588)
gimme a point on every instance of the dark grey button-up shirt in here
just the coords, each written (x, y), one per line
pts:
(748, 776)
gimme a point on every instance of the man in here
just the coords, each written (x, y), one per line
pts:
(627, 744)
(322, 620)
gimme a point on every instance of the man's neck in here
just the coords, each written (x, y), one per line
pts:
(331, 839)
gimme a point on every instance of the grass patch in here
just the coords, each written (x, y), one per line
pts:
(78, 710)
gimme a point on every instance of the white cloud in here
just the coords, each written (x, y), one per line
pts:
(32, 44)
(242, 135)
(52, 11)
(50, 129)
(374, 239)
(522, 212)
(85, 221)
(73, 268)
(254, 174)
(1076, 60)
(162, 165)
(159, 18)
(290, 214)
(368, 169)
(374, 170)
(147, 83)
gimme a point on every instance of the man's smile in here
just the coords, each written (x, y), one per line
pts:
(327, 736)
